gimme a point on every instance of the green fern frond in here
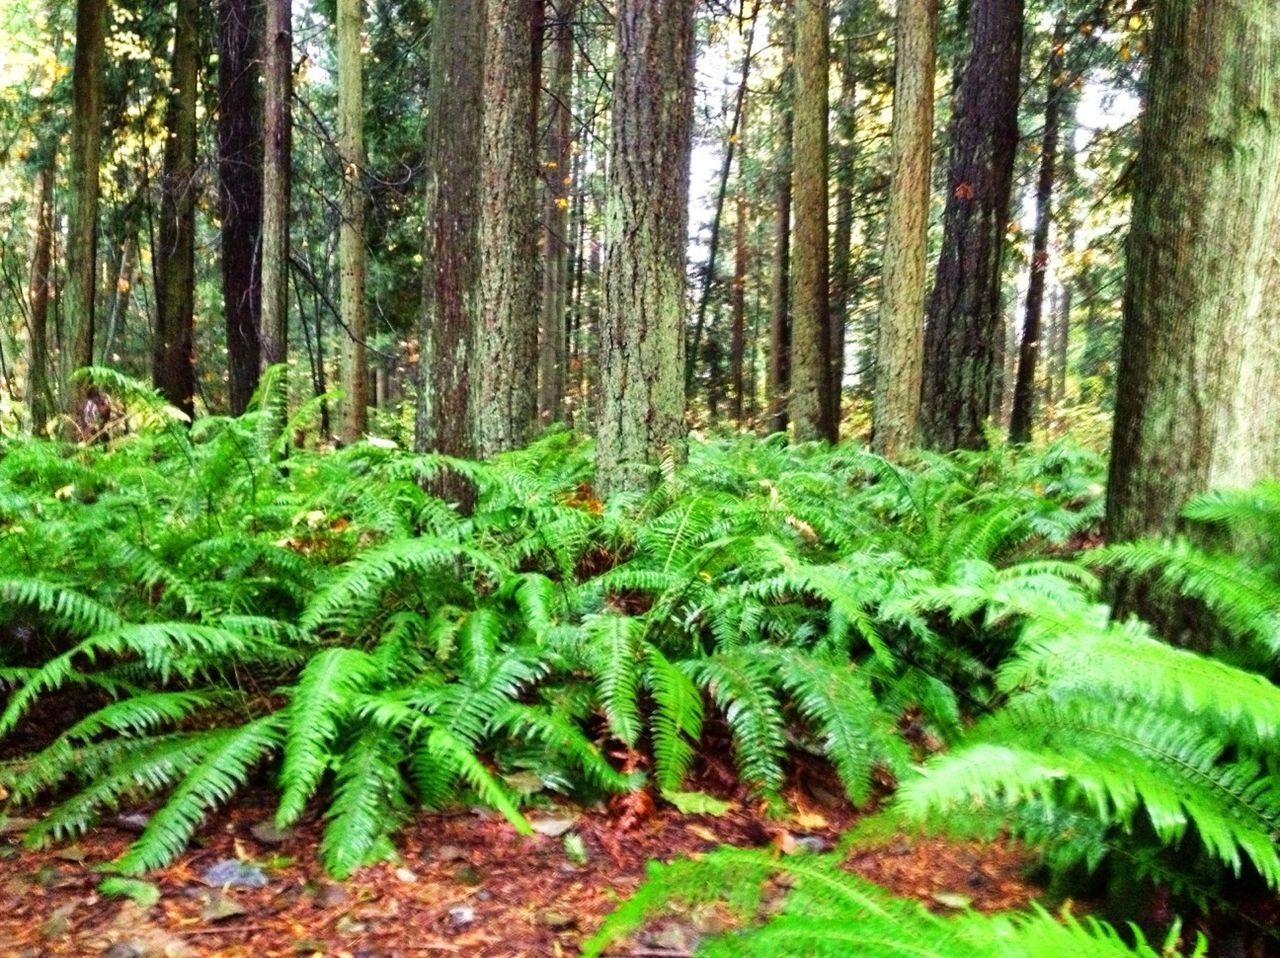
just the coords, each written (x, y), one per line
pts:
(676, 721)
(615, 651)
(367, 805)
(742, 686)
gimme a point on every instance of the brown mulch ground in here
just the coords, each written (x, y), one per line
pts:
(467, 884)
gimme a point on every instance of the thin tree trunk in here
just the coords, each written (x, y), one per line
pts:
(738, 336)
(778, 373)
(713, 247)
(506, 338)
(352, 253)
(38, 288)
(966, 326)
(455, 108)
(812, 411)
(841, 278)
(1057, 386)
(123, 295)
(1198, 397)
(646, 215)
(173, 351)
(240, 179)
(900, 347)
(82, 201)
(552, 361)
(278, 136)
(1024, 391)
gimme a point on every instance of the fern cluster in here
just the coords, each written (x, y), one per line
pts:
(232, 606)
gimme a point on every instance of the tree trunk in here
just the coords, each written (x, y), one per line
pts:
(900, 346)
(172, 350)
(812, 411)
(963, 341)
(352, 253)
(841, 265)
(39, 397)
(240, 179)
(552, 361)
(455, 108)
(646, 217)
(778, 372)
(1056, 390)
(82, 199)
(1198, 400)
(278, 136)
(506, 337)
(123, 294)
(738, 299)
(1024, 391)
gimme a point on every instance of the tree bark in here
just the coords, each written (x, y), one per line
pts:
(172, 351)
(966, 329)
(1056, 390)
(352, 252)
(552, 361)
(1198, 401)
(900, 346)
(39, 284)
(506, 338)
(82, 200)
(455, 109)
(646, 217)
(778, 372)
(812, 410)
(738, 299)
(240, 179)
(1024, 390)
(276, 179)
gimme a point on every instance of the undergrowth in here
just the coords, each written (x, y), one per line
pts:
(187, 610)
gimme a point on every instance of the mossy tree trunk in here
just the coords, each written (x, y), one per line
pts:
(966, 330)
(455, 109)
(1198, 400)
(646, 214)
(83, 186)
(352, 252)
(506, 335)
(1024, 390)
(276, 179)
(558, 177)
(900, 338)
(173, 356)
(240, 191)
(812, 410)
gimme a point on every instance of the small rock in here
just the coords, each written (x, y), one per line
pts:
(556, 920)
(406, 876)
(812, 843)
(951, 900)
(133, 822)
(233, 873)
(266, 833)
(218, 906)
(346, 925)
(462, 915)
(484, 895)
(551, 827)
(450, 853)
(126, 949)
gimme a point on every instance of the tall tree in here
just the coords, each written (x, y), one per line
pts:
(963, 340)
(506, 337)
(778, 372)
(173, 357)
(738, 296)
(82, 200)
(1024, 390)
(240, 181)
(557, 168)
(642, 385)
(39, 285)
(812, 409)
(455, 109)
(900, 346)
(352, 252)
(842, 260)
(276, 179)
(1198, 395)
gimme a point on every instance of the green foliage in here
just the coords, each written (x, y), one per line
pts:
(825, 910)
(226, 607)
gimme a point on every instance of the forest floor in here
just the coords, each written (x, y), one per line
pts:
(465, 884)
